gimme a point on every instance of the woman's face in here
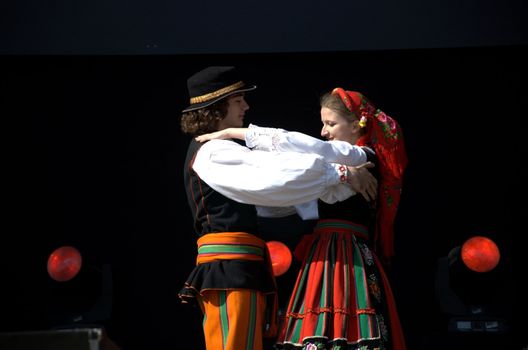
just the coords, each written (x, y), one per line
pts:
(337, 127)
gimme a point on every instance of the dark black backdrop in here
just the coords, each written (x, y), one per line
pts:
(236, 26)
(94, 159)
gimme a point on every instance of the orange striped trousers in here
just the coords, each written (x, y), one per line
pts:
(233, 319)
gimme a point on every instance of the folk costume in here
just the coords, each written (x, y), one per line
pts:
(233, 282)
(342, 298)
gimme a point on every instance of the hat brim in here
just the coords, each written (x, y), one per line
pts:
(196, 106)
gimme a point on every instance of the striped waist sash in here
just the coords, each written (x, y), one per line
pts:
(229, 246)
(241, 246)
(332, 226)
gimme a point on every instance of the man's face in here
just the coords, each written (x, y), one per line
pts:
(236, 109)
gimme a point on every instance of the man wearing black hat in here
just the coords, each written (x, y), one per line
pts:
(233, 281)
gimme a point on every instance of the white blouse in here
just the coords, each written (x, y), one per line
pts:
(280, 140)
(281, 170)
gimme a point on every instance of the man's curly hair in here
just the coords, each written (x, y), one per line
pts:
(204, 120)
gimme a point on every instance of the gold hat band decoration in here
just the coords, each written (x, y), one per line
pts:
(214, 94)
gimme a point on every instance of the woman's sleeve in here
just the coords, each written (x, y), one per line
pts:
(266, 178)
(280, 140)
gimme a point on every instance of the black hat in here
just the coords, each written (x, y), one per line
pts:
(213, 84)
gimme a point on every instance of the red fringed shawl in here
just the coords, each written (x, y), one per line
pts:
(384, 136)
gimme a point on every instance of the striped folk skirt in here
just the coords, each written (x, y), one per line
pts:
(342, 299)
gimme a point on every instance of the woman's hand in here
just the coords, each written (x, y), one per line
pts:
(229, 133)
(219, 135)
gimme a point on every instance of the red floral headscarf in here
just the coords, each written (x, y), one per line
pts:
(384, 135)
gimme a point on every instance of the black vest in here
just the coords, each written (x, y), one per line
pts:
(355, 208)
(213, 212)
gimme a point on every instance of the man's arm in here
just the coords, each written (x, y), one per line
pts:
(265, 178)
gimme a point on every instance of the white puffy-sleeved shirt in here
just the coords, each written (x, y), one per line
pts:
(281, 170)
(280, 140)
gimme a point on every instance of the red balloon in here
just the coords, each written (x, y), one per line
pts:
(281, 257)
(64, 263)
(480, 254)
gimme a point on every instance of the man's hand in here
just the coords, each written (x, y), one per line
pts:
(362, 181)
